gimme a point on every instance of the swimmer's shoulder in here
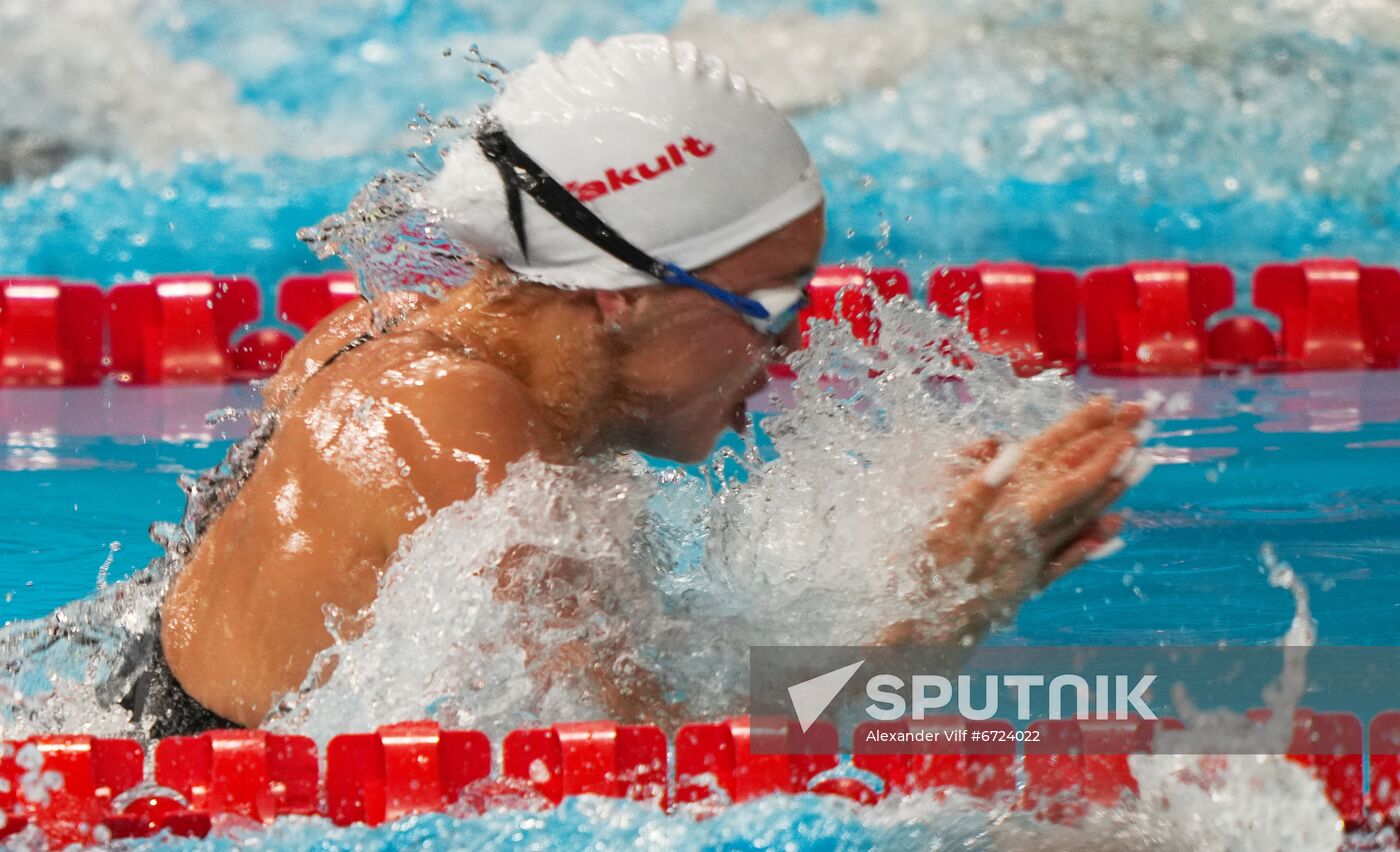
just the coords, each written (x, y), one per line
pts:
(342, 330)
(452, 403)
(468, 419)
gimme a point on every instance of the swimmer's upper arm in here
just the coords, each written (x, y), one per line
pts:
(468, 422)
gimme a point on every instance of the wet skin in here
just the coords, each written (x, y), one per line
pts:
(370, 446)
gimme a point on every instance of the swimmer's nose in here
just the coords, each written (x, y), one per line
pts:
(757, 383)
(789, 341)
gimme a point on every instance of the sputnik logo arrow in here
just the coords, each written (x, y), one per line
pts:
(811, 697)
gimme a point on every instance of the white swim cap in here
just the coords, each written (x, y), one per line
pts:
(663, 143)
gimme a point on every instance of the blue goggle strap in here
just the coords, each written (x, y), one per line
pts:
(674, 274)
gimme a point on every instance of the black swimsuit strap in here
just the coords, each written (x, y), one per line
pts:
(354, 344)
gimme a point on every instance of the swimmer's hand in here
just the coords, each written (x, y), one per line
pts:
(1028, 515)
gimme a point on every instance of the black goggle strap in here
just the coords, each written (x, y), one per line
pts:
(520, 172)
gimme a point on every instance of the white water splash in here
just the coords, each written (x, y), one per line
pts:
(82, 76)
(1160, 96)
(681, 574)
(54, 668)
(801, 60)
(1237, 803)
(1219, 798)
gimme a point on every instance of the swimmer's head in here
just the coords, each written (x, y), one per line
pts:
(689, 362)
(644, 171)
(676, 154)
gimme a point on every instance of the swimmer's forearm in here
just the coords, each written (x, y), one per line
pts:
(636, 694)
(629, 693)
(963, 625)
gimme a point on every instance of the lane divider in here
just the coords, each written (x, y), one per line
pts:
(1336, 314)
(402, 769)
(1029, 315)
(977, 758)
(1383, 799)
(303, 300)
(251, 773)
(1142, 318)
(1147, 318)
(716, 763)
(589, 758)
(82, 789)
(65, 783)
(176, 328)
(50, 332)
(1072, 766)
(850, 293)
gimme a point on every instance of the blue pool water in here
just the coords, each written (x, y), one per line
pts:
(946, 130)
(85, 468)
(194, 134)
(1303, 462)
(1307, 463)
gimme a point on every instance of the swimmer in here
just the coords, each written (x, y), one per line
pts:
(643, 224)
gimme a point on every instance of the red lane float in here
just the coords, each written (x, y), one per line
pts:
(951, 757)
(402, 769)
(304, 300)
(1029, 315)
(80, 789)
(251, 773)
(259, 353)
(1237, 342)
(151, 815)
(597, 758)
(50, 332)
(1336, 314)
(716, 763)
(1143, 318)
(1383, 801)
(65, 784)
(1150, 317)
(1075, 764)
(850, 293)
(176, 328)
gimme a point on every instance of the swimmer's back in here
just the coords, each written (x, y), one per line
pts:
(348, 471)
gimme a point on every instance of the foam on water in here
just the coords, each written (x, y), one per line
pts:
(80, 77)
(686, 571)
(1072, 133)
(54, 668)
(802, 60)
(1076, 133)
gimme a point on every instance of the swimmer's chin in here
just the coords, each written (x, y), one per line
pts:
(696, 446)
(739, 417)
(690, 455)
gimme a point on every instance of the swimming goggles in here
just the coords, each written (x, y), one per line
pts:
(770, 311)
